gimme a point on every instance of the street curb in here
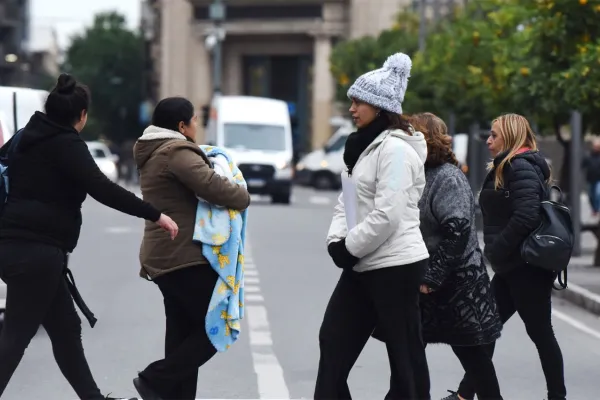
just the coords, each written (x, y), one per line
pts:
(581, 297)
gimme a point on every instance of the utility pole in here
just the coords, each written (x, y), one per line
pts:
(422, 24)
(217, 16)
(575, 171)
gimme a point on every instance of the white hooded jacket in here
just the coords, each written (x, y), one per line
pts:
(389, 177)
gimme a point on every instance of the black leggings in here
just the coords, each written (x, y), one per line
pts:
(527, 290)
(389, 299)
(187, 293)
(478, 364)
(37, 294)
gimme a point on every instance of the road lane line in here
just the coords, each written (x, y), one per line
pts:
(269, 374)
(576, 324)
(252, 280)
(254, 298)
(119, 229)
(319, 200)
(251, 289)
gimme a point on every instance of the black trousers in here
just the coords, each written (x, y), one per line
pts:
(37, 294)
(187, 293)
(478, 364)
(389, 299)
(527, 291)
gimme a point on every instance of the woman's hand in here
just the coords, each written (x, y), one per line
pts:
(167, 224)
(425, 289)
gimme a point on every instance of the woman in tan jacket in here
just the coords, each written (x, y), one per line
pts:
(174, 173)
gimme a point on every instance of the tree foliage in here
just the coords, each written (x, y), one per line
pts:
(540, 58)
(352, 58)
(108, 58)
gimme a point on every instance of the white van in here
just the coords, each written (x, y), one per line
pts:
(28, 102)
(257, 133)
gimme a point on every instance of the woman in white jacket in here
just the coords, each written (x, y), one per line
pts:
(383, 256)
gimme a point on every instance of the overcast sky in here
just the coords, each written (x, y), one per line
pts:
(71, 16)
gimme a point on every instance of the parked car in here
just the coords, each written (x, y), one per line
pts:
(106, 161)
(322, 168)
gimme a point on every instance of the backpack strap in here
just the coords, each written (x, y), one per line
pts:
(11, 146)
(562, 280)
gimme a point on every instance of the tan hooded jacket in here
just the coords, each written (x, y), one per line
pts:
(174, 172)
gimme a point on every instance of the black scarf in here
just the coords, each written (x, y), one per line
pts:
(358, 141)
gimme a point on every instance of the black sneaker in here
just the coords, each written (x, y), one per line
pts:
(453, 396)
(120, 398)
(145, 390)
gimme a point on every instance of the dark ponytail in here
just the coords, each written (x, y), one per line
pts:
(67, 100)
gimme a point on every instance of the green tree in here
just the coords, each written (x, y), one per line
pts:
(559, 39)
(108, 58)
(468, 61)
(352, 58)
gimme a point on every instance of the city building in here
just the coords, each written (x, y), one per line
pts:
(14, 34)
(44, 56)
(271, 48)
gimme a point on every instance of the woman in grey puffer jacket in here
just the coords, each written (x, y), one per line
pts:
(457, 305)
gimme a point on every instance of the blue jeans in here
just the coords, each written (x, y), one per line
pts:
(594, 195)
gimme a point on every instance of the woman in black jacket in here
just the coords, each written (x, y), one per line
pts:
(51, 171)
(510, 204)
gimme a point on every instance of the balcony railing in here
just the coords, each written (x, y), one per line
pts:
(263, 12)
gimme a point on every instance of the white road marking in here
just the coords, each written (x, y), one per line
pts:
(271, 384)
(119, 229)
(251, 289)
(576, 324)
(271, 381)
(254, 298)
(319, 200)
(251, 280)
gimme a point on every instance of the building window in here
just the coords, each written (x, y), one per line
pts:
(233, 13)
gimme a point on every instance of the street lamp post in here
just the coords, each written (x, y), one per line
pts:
(217, 16)
(422, 24)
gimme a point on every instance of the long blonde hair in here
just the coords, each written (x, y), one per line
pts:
(517, 134)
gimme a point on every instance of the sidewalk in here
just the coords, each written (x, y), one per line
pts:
(583, 278)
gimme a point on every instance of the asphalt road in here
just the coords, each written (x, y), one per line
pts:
(289, 281)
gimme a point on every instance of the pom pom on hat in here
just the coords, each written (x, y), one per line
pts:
(399, 63)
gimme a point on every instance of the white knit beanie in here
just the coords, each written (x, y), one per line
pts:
(384, 88)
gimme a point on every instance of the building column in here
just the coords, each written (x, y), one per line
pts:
(200, 79)
(232, 70)
(322, 92)
(176, 33)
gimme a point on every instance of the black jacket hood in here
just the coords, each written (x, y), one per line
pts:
(532, 156)
(40, 128)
